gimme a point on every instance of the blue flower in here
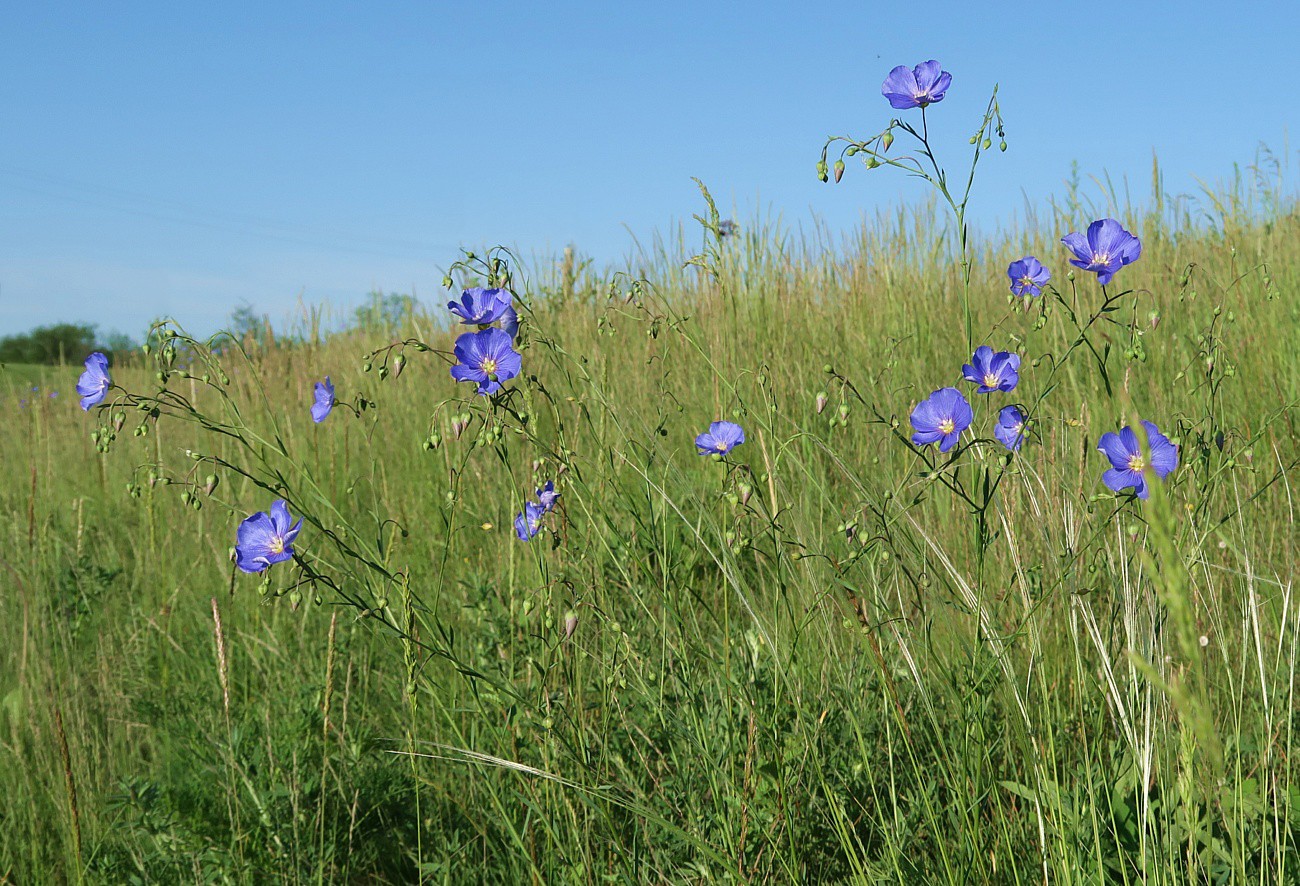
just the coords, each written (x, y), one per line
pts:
(266, 538)
(992, 371)
(1028, 276)
(93, 384)
(529, 522)
(1129, 466)
(1010, 429)
(720, 438)
(324, 400)
(1106, 249)
(483, 307)
(486, 357)
(941, 418)
(547, 496)
(916, 87)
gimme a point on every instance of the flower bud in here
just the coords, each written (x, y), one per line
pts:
(210, 484)
(399, 363)
(821, 402)
(839, 170)
(745, 492)
(886, 140)
(295, 600)
(570, 623)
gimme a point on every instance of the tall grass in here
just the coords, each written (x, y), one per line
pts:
(799, 665)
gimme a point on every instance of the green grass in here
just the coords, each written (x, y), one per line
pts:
(752, 691)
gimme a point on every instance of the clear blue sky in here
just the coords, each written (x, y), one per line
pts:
(178, 158)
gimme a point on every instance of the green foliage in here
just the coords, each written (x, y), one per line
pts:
(50, 345)
(812, 663)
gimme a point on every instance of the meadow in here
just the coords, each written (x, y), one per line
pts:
(829, 656)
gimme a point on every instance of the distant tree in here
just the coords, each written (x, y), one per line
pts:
(246, 324)
(51, 345)
(383, 312)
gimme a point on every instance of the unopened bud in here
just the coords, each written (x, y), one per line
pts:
(886, 140)
(745, 492)
(570, 623)
(210, 484)
(295, 600)
(821, 402)
(399, 363)
(839, 170)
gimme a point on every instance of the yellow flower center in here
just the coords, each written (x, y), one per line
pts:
(1137, 463)
(277, 545)
(488, 365)
(1026, 281)
(1101, 258)
(721, 446)
(991, 380)
(947, 426)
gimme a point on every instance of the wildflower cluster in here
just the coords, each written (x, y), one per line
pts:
(1104, 250)
(529, 521)
(486, 357)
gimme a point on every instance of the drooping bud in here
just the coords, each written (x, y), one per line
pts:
(821, 402)
(295, 600)
(839, 170)
(745, 492)
(886, 141)
(399, 363)
(570, 623)
(210, 484)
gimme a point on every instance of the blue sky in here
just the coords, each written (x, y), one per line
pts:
(182, 159)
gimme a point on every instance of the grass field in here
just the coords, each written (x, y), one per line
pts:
(812, 661)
